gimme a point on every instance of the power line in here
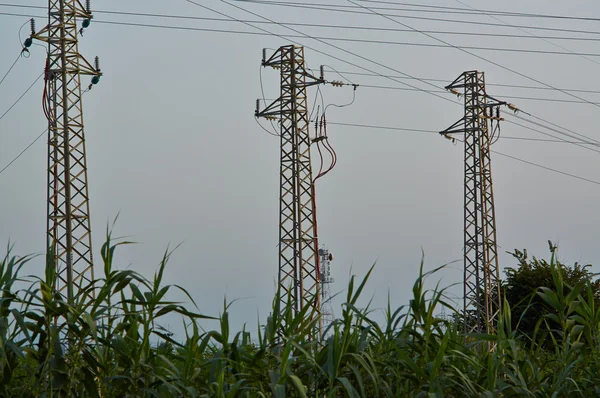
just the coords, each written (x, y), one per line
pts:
(22, 152)
(428, 9)
(577, 141)
(490, 12)
(478, 23)
(366, 41)
(503, 67)
(555, 127)
(547, 168)
(10, 69)
(321, 41)
(382, 87)
(367, 59)
(432, 9)
(325, 26)
(502, 137)
(497, 95)
(478, 56)
(304, 35)
(496, 152)
(503, 49)
(22, 95)
(544, 40)
(375, 41)
(487, 84)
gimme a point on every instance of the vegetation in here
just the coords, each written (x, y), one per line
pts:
(112, 345)
(521, 288)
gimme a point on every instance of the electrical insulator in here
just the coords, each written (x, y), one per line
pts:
(264, 59)
(322, 73)
(96, 78)
(88, 8)
(32, 24)
(453, 91)
(257, 107)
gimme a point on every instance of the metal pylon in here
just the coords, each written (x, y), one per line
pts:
(69, 240)
(482, 300)
(299, 275)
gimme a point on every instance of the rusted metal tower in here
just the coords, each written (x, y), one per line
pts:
(482, 298)
(299, 273)
(69, 240)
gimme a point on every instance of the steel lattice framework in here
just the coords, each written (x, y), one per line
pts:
(299, 275)
(68, 223)
(482, 298)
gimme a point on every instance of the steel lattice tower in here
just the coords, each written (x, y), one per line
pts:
(482, 298)
(69, 240)
(299, 274)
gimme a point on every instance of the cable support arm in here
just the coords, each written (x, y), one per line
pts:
(46, 35)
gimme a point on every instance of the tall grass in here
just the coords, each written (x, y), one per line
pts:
(108, 342)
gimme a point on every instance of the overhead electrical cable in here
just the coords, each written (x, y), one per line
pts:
(359, 56)
(531, 34)
(304, 35)
(478, 23)
(503, 67)
(318, 51)
(22, 152)
(489, 12)
(546, 168)
(494, 151)
(503, 137)
(354, 40)
(416, 8)
(487, 84)
(10, 69)
(21, 97)
(577, 141)
(315, 25)
(556, 128)
(479, 56)
(506, 96)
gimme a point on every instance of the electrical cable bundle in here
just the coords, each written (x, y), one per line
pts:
(322, 141)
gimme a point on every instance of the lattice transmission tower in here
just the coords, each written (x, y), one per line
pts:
(299, 273)
(482, 299)
(69, 241)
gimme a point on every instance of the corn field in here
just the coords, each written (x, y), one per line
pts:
(108, 342)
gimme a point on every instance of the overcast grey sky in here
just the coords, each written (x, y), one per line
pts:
(173, 147)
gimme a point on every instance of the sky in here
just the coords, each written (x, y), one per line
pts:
(174, 151)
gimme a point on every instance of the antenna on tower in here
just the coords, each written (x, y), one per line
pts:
(327, 315)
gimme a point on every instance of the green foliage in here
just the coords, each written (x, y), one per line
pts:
(528, 288)
(109, 343)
